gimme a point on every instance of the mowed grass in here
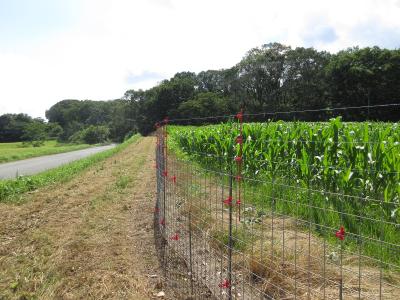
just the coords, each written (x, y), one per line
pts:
(17, 151)
(79, 239)
(12, 189)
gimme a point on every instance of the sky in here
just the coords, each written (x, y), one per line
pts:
(52, 50)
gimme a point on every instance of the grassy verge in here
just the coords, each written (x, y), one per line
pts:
(10, 190)
(17, 151)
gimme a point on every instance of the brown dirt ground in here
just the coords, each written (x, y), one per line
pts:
(90, 238)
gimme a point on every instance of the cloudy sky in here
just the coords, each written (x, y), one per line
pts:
(97, 49)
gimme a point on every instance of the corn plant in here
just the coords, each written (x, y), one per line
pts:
(354, 167)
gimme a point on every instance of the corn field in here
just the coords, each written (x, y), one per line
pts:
(329, 173)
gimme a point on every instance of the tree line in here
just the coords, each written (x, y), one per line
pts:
(270, 78)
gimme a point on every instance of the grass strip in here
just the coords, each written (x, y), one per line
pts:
(15, 151)
(12, 188)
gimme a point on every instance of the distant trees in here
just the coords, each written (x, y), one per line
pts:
(203, 105)
(21, 127)
(75, 117)
(54, 130)
(367, 76)
(91, 135)
(274, 78)
(12, 127)
(35, 132)
(270, 78)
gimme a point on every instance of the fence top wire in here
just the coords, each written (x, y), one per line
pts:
(286, 112)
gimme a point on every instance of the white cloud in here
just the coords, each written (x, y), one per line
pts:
(113, 40)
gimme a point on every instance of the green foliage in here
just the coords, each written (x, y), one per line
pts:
(275, 77)
(14, 126)
(21, 127)
(203, 105)
(35, 132)
(91, 135)
(74, 116)
(54, 130)
(95, 134)
(365, 76)
(11, 189)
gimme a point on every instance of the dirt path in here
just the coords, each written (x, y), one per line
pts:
(91, 238)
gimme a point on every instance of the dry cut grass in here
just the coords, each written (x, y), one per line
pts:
(90, 238)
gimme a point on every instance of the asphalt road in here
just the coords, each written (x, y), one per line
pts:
(38, 164)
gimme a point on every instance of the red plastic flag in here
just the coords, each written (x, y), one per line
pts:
(175, 237)
(225, 284)
(228, 201)
(238, 159)
(239, 116)
(340, 233)
(173, 179)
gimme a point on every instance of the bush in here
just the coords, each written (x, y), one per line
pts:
(91, 135)
(35, 133)
(77, 137)
(96, 134)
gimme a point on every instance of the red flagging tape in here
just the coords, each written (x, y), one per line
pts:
(228, 201)
(173, 178)
(175, 237)
(225, 284)
(238, 159)
(162, 222)
(340, 233)
(165, 173)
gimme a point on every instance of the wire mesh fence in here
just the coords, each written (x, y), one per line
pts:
(225, 235)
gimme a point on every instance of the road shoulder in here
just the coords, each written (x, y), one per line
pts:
(91, 238)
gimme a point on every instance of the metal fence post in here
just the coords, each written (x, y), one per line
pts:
(190, 252)
(230, 242)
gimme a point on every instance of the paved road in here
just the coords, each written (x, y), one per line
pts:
(38, 164)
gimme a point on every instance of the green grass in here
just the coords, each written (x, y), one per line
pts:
(11, 190)
(331, 174)
(17, 151)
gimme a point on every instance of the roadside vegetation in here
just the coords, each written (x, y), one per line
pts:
(22, 150)
(11, 190)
